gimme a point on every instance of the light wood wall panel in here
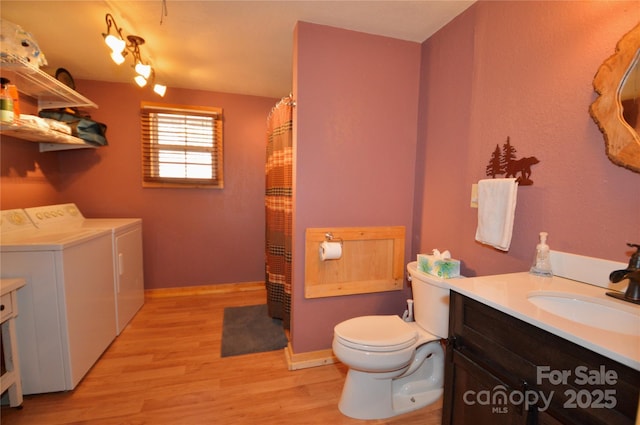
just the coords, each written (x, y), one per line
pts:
(372, 261)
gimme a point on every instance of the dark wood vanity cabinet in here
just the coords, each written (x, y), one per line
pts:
(501, 370)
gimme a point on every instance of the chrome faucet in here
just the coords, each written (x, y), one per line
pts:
(632, 272)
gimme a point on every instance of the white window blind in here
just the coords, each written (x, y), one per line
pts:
(181, 146)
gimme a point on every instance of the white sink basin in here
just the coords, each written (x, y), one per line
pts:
(599, 313)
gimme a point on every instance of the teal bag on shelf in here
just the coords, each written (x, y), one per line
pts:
(84, 128)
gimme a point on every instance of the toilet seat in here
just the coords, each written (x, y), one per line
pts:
(376, 333)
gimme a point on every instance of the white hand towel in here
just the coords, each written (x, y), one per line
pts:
(496, 211)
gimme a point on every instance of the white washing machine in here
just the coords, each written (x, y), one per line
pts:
(67, 316)
(127, 251)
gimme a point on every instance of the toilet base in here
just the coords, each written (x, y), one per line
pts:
(375, 403)
(368, 395)
(380, 401)
(404, 403)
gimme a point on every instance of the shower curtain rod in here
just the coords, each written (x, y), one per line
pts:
(287, 100)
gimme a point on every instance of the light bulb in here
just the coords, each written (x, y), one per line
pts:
(140, 80)
(117, 57)
(116, 44)
(160, 89)
(142, 69)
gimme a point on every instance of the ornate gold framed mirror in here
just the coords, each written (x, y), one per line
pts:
(617, 109)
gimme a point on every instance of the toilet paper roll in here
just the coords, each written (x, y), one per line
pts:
(330, 250)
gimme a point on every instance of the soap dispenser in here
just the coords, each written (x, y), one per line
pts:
(542, 261)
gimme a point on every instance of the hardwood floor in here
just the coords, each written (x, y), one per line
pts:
(165, 368)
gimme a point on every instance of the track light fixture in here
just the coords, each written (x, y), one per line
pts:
(160, 89)
(121, 48)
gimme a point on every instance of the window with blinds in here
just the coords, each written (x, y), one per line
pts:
(181, 146)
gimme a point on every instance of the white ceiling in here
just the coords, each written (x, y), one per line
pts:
(242, 47)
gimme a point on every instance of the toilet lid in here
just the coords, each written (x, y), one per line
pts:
(389, 332)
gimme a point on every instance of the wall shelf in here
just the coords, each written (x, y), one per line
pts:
(49, 139)
(49, 94)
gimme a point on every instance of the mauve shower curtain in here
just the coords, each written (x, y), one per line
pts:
(278, 171)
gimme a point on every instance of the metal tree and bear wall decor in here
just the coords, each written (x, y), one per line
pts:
(504, 162)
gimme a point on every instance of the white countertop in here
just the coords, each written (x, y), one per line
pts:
(508, 293)
(10, 284)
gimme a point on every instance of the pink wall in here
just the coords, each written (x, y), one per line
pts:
(191, 236)
(387, 133)
(355, 142)
(517, 69)
(523, 70)
(27, 178)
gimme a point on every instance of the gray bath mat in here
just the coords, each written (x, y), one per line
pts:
(249, 329)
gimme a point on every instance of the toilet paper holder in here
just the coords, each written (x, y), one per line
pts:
(330, 238)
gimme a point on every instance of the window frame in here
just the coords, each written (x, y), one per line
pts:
(150, 150)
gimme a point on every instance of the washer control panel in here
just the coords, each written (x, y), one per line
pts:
(11, 220)
(55, 215)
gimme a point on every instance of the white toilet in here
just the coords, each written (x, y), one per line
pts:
(395, 366)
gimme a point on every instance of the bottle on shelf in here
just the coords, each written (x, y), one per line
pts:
(6, 102)
(13, 92)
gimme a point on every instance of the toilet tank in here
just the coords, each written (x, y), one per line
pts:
(430, 301)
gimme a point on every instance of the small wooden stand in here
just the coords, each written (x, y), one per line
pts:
(10, 379)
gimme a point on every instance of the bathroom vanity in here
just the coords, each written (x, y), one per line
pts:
(509, 361)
